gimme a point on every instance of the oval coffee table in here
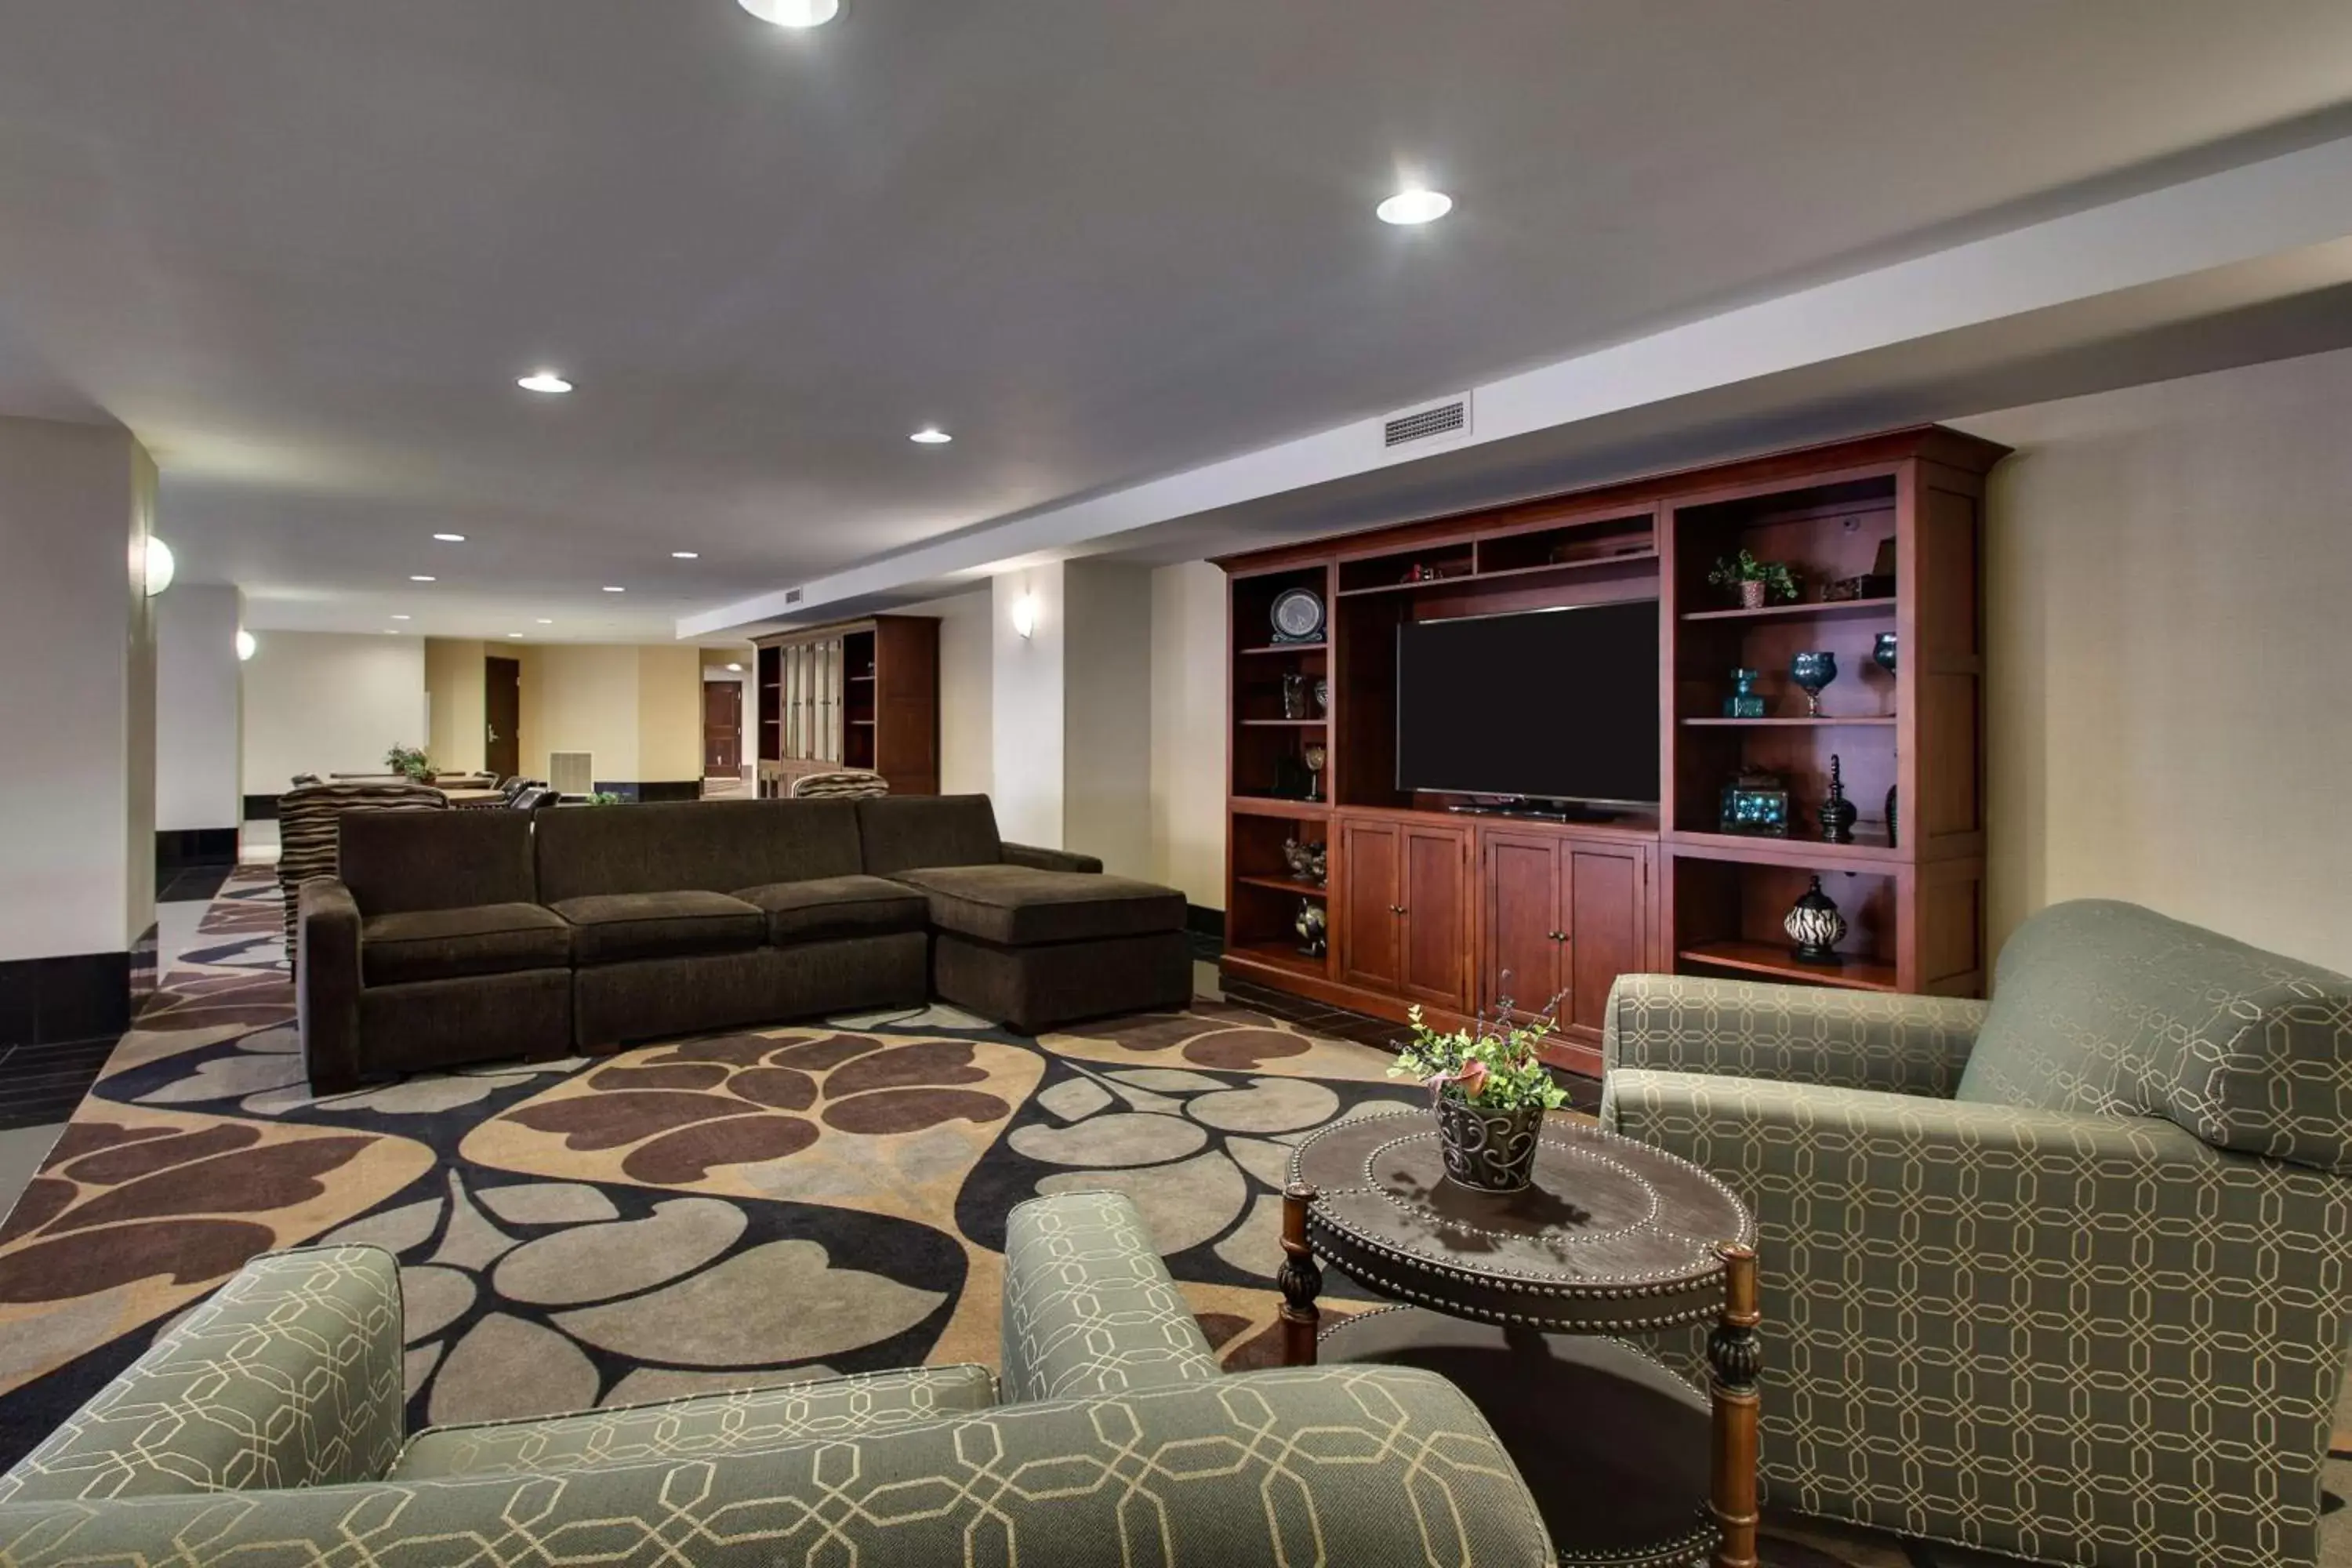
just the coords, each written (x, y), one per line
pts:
(1512, 1296)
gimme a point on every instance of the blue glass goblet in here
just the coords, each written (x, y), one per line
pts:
(1813, 670)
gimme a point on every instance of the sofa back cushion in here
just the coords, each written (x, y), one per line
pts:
(2112, 1009)
(398, 862)
(711, 845)
(902, 832)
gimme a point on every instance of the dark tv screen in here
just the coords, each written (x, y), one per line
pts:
(1551, 704)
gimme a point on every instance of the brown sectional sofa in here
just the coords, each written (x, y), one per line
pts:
(452, 937)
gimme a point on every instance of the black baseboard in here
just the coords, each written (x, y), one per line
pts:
(261, 809)
(1204, 922)
(180, 848)
(85, 996)
(641, 792)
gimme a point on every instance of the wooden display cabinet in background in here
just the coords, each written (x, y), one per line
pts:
(862, 694)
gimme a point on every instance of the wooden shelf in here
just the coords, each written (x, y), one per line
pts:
(1782, 612)
(1826, 721)
(1287, 647)
(1284, 885)
(1287, 724)
(1280, 955)
(856, 679)
(1764, 958)
(864, 723)
(1869, 852)
(1275, 805)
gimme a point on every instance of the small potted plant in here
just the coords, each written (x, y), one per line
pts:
(410, 763)
(1490, 1090)
(1753, 580)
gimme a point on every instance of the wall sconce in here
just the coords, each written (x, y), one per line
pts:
(246, 645)
(1025, 614)
(157, 567)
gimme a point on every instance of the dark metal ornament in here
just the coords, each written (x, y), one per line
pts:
(1490, 1151)
(1837, 814)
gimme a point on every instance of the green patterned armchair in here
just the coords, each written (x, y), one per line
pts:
(2062, 1275)
(265, 1428)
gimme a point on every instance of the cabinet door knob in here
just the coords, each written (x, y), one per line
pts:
(1396, 909)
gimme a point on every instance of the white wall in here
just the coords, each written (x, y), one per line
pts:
(199, 708)
(77, 704)
(2169, 598)
(967, 689)
(1107, 715)
(321, 702)
(1189, 732)
(1025, 708)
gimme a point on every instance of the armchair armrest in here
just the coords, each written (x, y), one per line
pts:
(1793, 1034)
(289, 1375)
(1089, 1308)
(327, 981)
(1038, 860)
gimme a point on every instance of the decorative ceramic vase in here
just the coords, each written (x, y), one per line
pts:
(1311, 928)
(1294, 696)
(1744, 702)
(1815, 924)
(1837, 813)
(1882, 651)
(1489, 1151)
(1813, 670)
(1751, 594)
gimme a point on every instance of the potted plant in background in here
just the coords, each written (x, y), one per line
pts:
(1754, 581)
(410, 763)
(1490, 1089)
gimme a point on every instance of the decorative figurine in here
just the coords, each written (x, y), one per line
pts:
(1314, 755)
(1309, 863)
(1811, 672)
(1837, 813)
(1322, 695)
(1745, 701)
(1312, 927)
(1294, 696)
(1755, 804)
(1815, 924)
(1298, 616)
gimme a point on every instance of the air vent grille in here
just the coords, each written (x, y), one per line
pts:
(1451, 417)
(572, 772)
(791, 595)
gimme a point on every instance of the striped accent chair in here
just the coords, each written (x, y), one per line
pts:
(307, 819)
(849, 783)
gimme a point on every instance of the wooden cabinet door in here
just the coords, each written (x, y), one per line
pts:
(1436, 940)
(1524, 949)
(1370, 884)
(1606, 897)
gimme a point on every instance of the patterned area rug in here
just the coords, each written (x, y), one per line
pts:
(716, 1212)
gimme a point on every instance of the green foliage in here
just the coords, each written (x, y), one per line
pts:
(604, 797)
(1493, 1063)
(1730, 571)
(409, 761)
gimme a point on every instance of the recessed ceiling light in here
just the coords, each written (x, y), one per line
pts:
(686, 555)
(420, 578)
(543, 381)
(1412, 205)
(793, 12)
(932, 436)
(450, 538)
(404, 618)
(392, 631)
(514, 634)
(613, 590)
(545, 622)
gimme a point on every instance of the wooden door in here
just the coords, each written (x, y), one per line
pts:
(1526, 944)
(1372, 861)
(1436, 899)
(503, 716)
(722, 729)
(1607, 900)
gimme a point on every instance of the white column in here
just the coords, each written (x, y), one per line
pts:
(1026, 704)
(199, 709)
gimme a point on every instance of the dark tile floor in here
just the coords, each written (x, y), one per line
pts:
(42, 1084)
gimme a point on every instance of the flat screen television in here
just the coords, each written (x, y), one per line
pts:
(1549, 705)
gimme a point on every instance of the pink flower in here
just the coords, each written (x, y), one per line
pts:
(1471, 1079)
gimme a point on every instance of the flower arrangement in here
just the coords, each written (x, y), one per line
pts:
(409, 761)
(1493, 1064)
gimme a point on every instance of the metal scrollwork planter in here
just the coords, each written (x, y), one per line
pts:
(1491, 1151)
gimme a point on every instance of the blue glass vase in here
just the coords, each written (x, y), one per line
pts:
(1744, 702)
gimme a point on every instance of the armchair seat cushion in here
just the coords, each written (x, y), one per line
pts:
(696, 1427)
(1017, 906)
(450, 944)
(832, 907)
(613, 928)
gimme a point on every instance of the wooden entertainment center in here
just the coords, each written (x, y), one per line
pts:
(1426, 904)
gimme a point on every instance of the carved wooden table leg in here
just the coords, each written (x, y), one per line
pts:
(1301, 1278)
(1734, 1354)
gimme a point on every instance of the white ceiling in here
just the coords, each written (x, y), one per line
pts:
(302, 247)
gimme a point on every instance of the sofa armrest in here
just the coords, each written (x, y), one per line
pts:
(1368, 1467)
(1038, 860)
(1089, 1308)
(288, 1375)
(327, 985)
(1793, 1034)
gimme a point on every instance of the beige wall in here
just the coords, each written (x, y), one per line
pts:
(1187, 730)
(1107, 714)
(327, 703)
(669, 714)
(2168, 586)
(638, 708)
(1025, 708)
(967, 696)
(454, 695)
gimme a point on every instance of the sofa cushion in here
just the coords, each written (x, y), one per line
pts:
(696, 1427)
(836, 906)
(396, 861)
(449, 945)
(1016, 906)
(611, 928)
(900, 832)
(2109, 1008)
(711, 844)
